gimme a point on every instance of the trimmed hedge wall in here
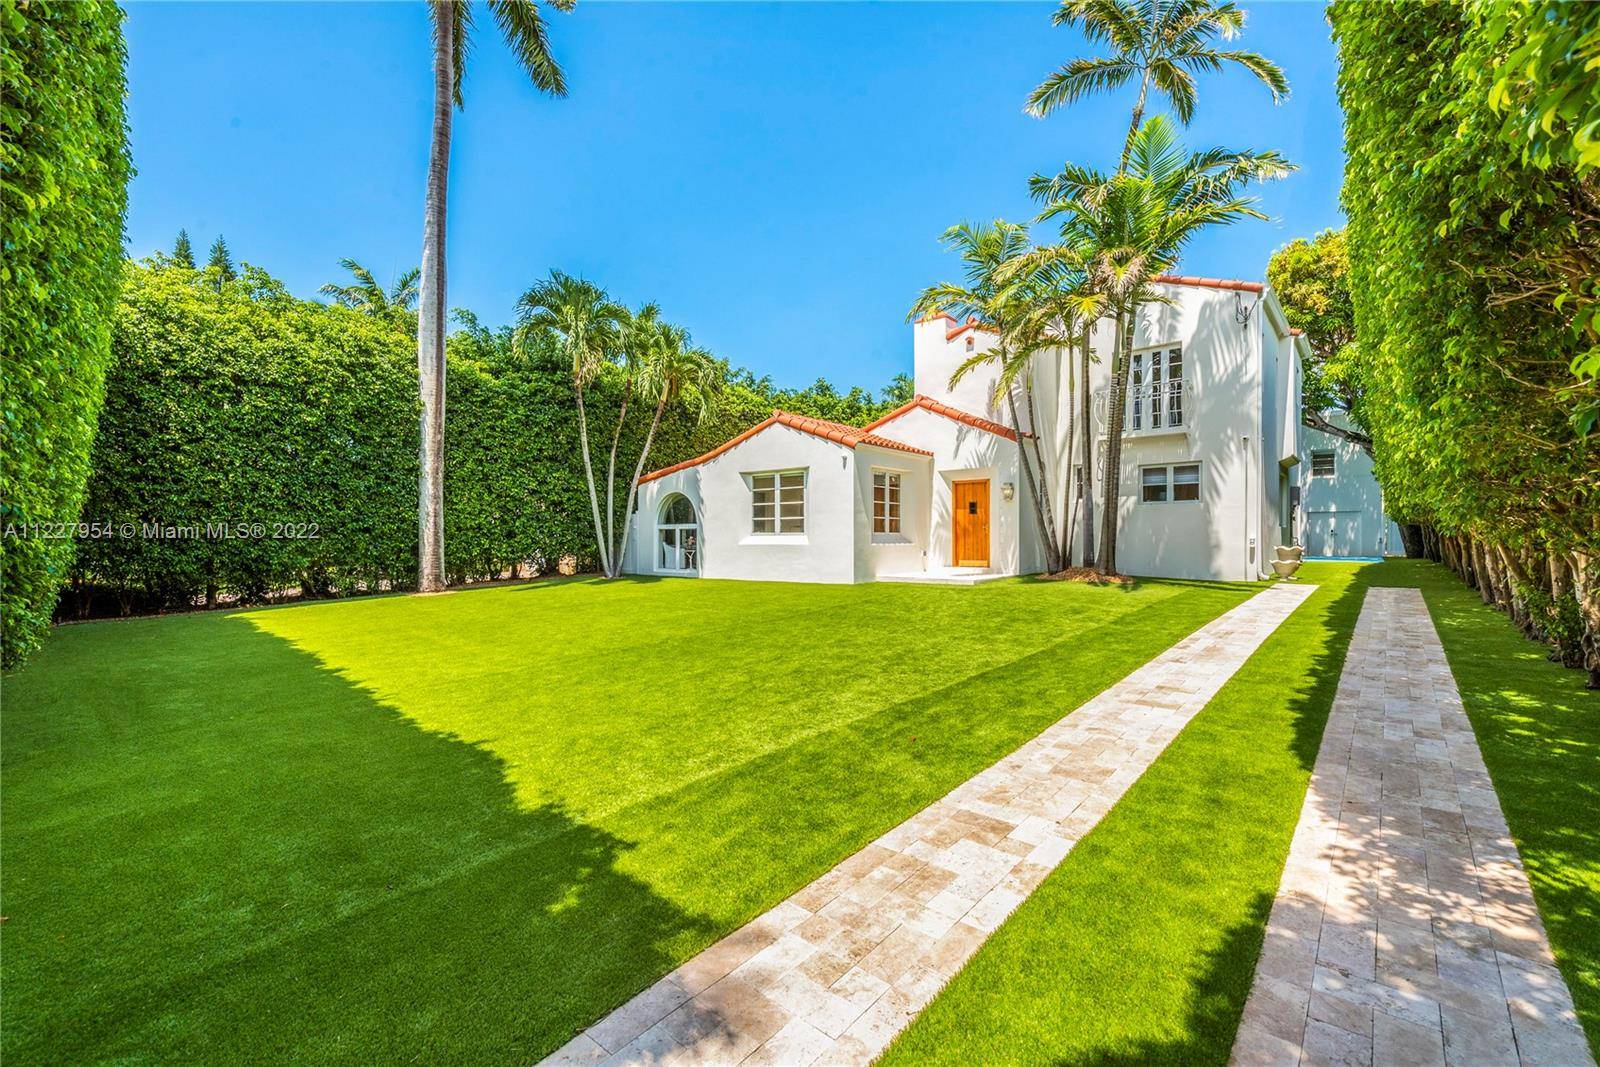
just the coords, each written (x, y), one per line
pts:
(64, 157)
(1471, 243)
(243, 405)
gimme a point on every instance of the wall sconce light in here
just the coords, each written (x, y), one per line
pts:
(1007, 490)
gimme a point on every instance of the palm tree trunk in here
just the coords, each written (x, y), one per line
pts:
(430, 316)
(1086, 418)
(1069, 503)
(1133, 127)
(638, 472)
(1114, 417)
(588, 474)
(611, 473)
(1033, 487)
(1144, 89)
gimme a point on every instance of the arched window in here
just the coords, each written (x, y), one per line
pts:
(678, 536)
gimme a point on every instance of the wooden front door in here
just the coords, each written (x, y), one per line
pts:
(970, 532)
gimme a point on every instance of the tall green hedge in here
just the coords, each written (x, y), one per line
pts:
(63, 175)
(258, 413)
(1462, 243)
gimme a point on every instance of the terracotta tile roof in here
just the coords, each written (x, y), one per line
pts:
(837, 432)
(927, 403)
(930, 316)
(972, 323)
(1295, 331)
(1210, 283)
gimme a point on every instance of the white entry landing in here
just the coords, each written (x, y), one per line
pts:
(832, 974)
(945, 576)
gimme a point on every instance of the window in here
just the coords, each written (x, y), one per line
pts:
(1154, 483)
(778, 502)
(885, 502)
(1155, 389)
(1186, 481)
(1181, 481)
(1322, 464)
(678, 535)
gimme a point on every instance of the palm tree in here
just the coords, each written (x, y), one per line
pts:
(368, 297)
(586, 326)
(1016, 304)
(1163, 43)
(902, 388)
(639, 331)
(671, 368)
(522, 26)
(1132, 226)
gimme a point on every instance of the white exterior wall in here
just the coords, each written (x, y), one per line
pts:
(1343, 515)
(1210, 537)
(838, 544)
(936, 360)
(721, 496)
(966, 453)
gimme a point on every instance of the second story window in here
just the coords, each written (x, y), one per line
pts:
(1322, 464)
(1155, 389)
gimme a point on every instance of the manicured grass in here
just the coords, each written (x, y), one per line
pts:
(1539, 730)
(1141, 946)
(464, 826)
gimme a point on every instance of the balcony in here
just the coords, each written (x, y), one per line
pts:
(1152, 410)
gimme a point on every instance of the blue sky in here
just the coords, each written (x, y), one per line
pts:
(776, 176)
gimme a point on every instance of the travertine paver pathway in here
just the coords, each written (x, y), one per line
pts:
(1404, 931)
(834, 972)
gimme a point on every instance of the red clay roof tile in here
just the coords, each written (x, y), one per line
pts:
(1210, 283)
(837, 432)
(927, 403)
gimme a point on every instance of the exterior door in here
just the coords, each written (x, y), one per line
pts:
(970, 531)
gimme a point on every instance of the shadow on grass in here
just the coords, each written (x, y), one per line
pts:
(226, 852)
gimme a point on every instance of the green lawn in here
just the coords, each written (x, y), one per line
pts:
(1141, 946)
(466, 825)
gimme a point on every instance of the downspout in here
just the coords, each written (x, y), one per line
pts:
(1246, 440)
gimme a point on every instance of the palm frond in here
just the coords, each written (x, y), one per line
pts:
(1269, 73)
(1177, 85)
(522, 25)
(1079, 78)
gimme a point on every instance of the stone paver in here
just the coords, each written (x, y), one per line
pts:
(1404, 931)
(832, 974)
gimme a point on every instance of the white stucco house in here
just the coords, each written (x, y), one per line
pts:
(1341, 505)
(935, 490)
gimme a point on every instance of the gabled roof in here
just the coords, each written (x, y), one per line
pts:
(1210, 283)
(837, 432)
(927, 403)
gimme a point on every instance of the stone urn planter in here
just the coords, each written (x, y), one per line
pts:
(1290, 552)
(1287, 560)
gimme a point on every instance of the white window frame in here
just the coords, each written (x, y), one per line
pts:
(680, 527)
(1333, 462)
(886, 535)
(1146, 412)
(777, 477)
(1170, 483)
